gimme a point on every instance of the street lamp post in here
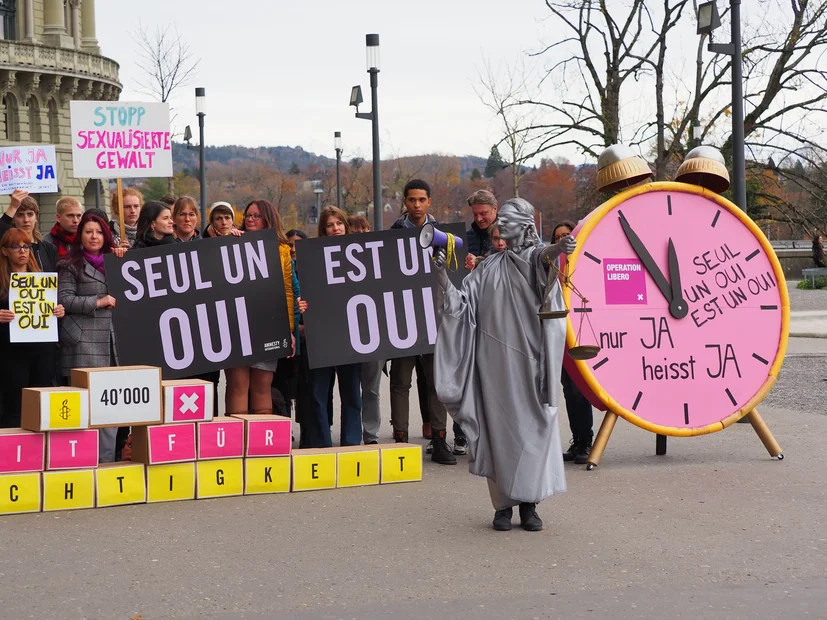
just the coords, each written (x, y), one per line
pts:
(708, 20)
(372, 56)
(201, 111)
(316, 211)
(337, 143)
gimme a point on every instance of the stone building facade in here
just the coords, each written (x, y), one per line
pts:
(49, 55)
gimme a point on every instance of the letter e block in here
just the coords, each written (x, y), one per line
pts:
(170, 483)
(20, 493)
(221, 478)
(357, 467)
(118, 484)
(401, 462)
(314, 469)
(68, 490)
(267, 475)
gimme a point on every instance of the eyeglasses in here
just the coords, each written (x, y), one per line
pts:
(253, 216)
(20, 248)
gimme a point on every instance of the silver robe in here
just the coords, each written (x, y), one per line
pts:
(497, 370)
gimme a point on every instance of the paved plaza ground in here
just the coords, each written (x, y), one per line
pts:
(714, 529)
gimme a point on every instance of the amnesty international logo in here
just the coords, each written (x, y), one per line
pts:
(64, 410)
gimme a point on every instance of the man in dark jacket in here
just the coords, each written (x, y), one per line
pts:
(484, 208)
(417, 195)
(69, 212)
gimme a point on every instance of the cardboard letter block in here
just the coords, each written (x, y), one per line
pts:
(267, 475)
(314, 469)
(357, 467)
(20, 493)
(170, 483)
(187, 400)
(72, 449)
(55, 408)
(21, 450)
(118, 484)
(266, 435)
(121, 396)
(68, 490)
(220, 478)
(223, 438)
(401, 462)
(168, 443)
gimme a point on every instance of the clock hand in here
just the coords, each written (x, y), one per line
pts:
(678, 307)
(646, 258)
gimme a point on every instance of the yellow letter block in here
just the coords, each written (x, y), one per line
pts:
(118, 484)
(220, 478)
(20, 493)
(68, 490)
(169, 483)
(357, 467)
(267, 475)
(314, 468)
(401, 462)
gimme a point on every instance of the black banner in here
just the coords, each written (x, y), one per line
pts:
(205, 305)
(371, 295)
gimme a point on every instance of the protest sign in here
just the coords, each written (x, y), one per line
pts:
(197, 307)
(32, 298)
(31, 168)
(120, 139)
(370, 296)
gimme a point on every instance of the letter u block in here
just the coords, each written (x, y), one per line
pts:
(357, 466)
(267, 475)
(314, 469)
(20, 493)
(222, 438)
(170, 483)
(221, 478)
(118, 484)
(68, 490)
(401, 462)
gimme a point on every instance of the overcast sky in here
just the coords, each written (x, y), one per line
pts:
(280, 72)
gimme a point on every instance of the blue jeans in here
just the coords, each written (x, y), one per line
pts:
(316, 431)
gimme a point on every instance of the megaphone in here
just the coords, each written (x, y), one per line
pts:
(430, 236)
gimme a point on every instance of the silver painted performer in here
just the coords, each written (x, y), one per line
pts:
(497, 367)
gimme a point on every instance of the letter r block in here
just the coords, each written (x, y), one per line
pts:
(401, 462)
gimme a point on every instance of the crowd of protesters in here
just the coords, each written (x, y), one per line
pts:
(77, 243)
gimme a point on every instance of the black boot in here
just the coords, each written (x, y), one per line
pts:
(570, 454)
(400, 437)
(584, 449)
(502, 519)
(529, 519)
(442, 453)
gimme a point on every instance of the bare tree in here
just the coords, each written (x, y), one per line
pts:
(165, 61)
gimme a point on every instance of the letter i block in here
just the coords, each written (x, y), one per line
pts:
(223, 438)
(68, 490)
(267, 435)
(220, 478)
(118, 484)
(401, 462)
(267, 475)
(357, 466)
(167, 443)
(21, 450)
(187, 400)
(72, 449)
(314, 469)
(20, 493)
(170, 483)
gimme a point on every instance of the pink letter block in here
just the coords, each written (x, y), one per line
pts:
(223, 438)
(188, 400)
(269, 437)
(72, 449)
(21, 450)
(171, 443)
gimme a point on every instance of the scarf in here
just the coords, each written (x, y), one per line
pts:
(95, 261)
(62, 238)
(131, 232)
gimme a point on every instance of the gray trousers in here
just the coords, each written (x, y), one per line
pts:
(106, 444)
(371, 415)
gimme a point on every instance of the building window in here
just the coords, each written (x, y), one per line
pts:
(54, 127)
(35, 134)
(12, 118)
(8, 20)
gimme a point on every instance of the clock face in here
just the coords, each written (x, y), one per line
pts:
(689, 331)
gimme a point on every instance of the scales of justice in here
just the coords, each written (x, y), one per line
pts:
(699, 180)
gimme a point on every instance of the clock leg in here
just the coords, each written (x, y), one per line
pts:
(606, 428)
(762, 430)
(660, 445)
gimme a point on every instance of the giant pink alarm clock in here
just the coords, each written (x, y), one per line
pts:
(688, 305)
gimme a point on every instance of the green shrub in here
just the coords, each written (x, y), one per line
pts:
(807, 284)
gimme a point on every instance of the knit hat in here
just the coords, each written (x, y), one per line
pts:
(222, 207)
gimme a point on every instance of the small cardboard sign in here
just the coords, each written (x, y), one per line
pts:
(187, 400)
(33, 298)
(55, 408)
(72, 449)
(21, 450)
(121, 396)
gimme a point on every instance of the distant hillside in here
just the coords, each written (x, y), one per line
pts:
(282, 157)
